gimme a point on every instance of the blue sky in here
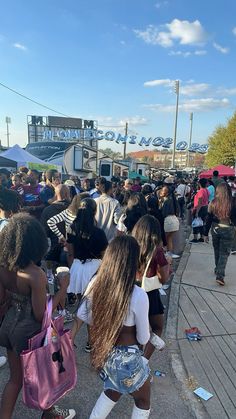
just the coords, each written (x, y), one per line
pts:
(116, 60)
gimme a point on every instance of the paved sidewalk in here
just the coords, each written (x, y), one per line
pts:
(197, 300)
(167, 399)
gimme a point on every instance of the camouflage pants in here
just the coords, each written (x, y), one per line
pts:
(222, 238)
(234, 242)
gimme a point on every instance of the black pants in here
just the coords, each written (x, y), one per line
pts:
(181, 202)
(222, 238)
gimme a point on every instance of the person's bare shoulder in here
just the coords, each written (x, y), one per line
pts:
(34, 276)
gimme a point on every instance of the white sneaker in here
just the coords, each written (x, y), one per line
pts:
(3, 361)
(174, 256)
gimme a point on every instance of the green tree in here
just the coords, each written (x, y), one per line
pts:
(222, 144)
(113, 154)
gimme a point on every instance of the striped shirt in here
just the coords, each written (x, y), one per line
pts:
(65, 216)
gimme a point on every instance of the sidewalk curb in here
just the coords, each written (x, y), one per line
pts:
(177, 363)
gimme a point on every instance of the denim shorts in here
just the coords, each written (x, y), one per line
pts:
(125, 370)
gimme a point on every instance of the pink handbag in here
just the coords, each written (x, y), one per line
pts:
(49, 367)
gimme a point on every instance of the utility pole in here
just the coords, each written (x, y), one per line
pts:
(8, 121)
(176, 121)
(190, 136)
(126, 133)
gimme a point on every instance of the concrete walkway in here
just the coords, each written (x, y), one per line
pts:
(167, 398)
(197, 300)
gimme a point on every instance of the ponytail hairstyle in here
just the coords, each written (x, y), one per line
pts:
(111, 292)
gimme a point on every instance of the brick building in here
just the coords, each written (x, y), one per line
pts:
(163, 158)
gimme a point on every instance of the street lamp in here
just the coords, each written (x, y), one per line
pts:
(176, 88)
(190, 135)
(8, 121)
(126, 133)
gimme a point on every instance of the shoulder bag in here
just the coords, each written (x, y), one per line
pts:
(152, 283)
(49, 367)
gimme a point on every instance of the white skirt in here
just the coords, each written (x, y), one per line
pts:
(171, 224)
(81, 274)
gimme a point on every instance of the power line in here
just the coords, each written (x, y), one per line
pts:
(32, 100)
(51, 109)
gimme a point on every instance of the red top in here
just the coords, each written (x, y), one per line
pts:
(204, 194)
(158, 259)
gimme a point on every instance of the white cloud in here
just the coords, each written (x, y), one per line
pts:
(192, 105)
(234, 30)
(151, 35)
(160, 4)
(187, 53)
(188, 88)
(200, 52)
(114, 123)
(187, 32)
(180, 53)
(205, 104)
(20, 46)
(192, 89)
(134, 121)
(159, 82)
(181, 31)
(223, 50)
(122, 42)
(226, 92)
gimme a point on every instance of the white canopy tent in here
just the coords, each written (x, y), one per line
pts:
(23, 158)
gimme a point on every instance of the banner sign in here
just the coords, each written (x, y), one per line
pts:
(89, 134)
(58, 129)
(78, 135)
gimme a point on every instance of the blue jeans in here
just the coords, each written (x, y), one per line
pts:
(125, 370)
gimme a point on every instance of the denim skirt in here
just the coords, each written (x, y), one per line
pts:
(125, 370)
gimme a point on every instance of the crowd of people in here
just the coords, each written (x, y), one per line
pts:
(116, 239)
